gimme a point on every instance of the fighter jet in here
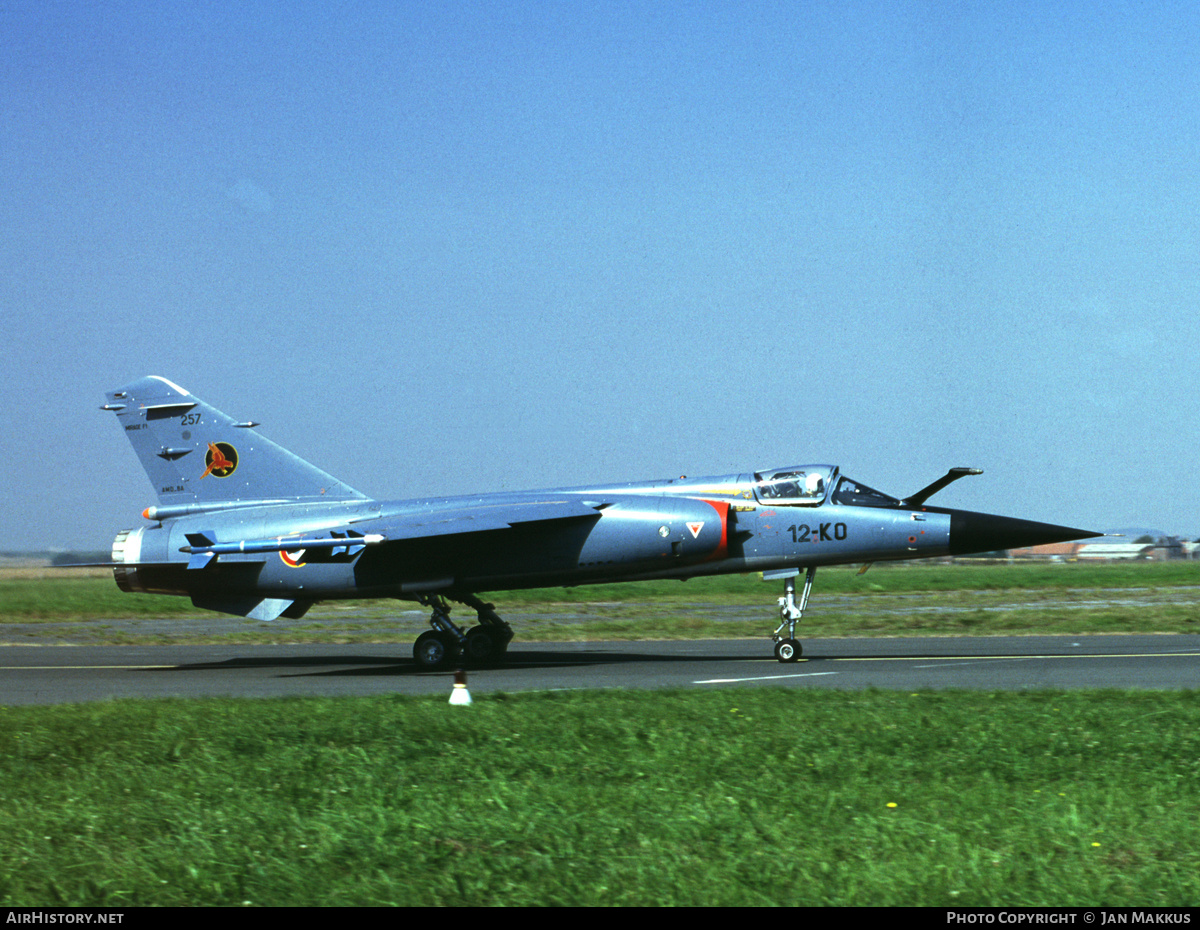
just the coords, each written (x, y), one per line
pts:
(244, 527)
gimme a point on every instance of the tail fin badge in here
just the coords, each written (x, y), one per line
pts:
(220, 461)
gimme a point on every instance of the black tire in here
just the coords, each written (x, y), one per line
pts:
(481, 645)
(788, 650)
(434, 650)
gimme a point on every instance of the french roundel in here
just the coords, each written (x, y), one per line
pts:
(292, 559)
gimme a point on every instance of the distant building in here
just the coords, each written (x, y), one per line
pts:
(1172, 548)
(1051, 552)
(1110, 552)
(1166, 548)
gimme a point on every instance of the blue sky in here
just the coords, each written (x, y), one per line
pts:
(455, 247)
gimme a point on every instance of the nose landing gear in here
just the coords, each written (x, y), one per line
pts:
(788, 648)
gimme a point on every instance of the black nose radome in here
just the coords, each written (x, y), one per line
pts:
(982, 532)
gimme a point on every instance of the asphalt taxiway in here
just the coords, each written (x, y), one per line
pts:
(68, 674)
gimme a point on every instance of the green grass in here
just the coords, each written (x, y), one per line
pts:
(731, 797)
(683, 798)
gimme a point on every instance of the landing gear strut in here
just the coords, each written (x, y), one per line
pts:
(788, 648)
(441, 646)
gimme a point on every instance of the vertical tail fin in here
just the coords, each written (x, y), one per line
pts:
(195, 455)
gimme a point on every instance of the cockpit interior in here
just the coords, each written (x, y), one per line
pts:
(809, 486)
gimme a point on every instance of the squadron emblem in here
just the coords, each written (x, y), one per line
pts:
(220, 461)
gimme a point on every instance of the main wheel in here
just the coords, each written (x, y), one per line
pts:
(788, 650)
(435, 650)
(481, 645)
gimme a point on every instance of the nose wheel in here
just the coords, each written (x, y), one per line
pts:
(788, 648)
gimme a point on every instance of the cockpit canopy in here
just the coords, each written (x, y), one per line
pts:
(809, 486)
(804, 485)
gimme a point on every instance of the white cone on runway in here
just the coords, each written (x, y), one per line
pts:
(459, 694)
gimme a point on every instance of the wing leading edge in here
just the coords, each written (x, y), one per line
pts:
(475, 518)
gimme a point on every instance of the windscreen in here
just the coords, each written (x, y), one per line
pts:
(855, 494)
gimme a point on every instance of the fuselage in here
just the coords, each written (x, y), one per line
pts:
(673, 528)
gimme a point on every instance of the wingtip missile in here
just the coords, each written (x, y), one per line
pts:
(203, 548)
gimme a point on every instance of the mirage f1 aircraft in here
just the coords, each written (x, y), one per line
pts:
(245, 527)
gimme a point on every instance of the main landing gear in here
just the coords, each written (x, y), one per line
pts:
(788, 648)
(446, 642)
